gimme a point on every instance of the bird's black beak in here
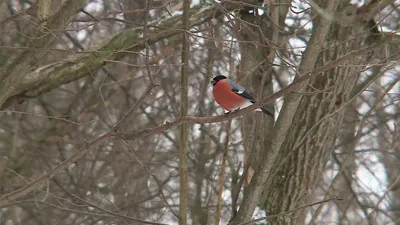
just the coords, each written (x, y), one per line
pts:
(213, 82)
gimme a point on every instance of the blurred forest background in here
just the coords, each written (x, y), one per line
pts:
(107, 115)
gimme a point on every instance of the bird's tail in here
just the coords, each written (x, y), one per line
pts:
(267, 112)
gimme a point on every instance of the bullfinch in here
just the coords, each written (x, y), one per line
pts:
(232, 96)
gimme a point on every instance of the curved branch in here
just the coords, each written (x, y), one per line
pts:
(44, 79)
(40, 37)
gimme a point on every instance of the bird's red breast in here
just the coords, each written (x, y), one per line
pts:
(225, 97)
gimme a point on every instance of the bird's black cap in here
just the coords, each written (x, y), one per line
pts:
(217, 78)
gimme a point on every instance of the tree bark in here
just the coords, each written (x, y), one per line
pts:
(281, 130)
(184, 131)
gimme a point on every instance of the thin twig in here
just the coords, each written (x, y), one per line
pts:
(138, 103)
(62, 118)
(222, 174)
(146, 38)
(153, 175)
(292, 210)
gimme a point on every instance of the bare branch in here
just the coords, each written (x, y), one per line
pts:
(290, 211)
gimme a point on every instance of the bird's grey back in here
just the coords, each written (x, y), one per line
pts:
(236, 86)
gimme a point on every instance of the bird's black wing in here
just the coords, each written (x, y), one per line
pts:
(244, 94)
